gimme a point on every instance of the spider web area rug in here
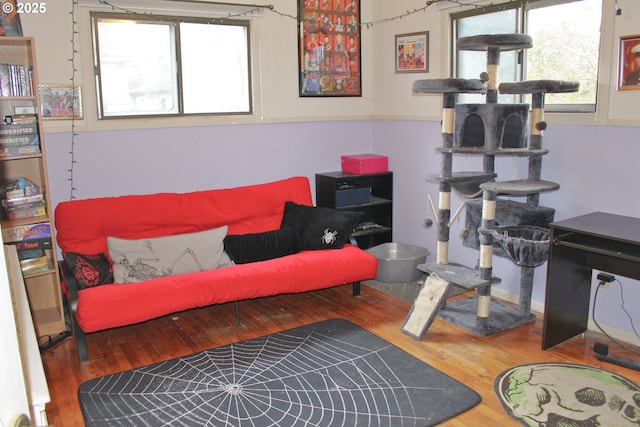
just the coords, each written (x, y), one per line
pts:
(330, 373)
(570, 395)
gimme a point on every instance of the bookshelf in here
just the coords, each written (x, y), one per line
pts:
(27, 214)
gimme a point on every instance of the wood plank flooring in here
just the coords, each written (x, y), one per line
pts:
(470, 359)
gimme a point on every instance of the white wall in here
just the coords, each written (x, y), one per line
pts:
(392, 92)
(14, 398)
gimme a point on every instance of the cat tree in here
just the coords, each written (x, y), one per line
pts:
(494, 225)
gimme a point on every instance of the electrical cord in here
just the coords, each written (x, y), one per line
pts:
(52, 340)
(593, 316)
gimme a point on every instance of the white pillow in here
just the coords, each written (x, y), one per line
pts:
(144, 259)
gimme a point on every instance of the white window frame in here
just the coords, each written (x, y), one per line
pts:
(174, 22)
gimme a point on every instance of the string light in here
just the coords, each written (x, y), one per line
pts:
(74, 70)
(271, 8)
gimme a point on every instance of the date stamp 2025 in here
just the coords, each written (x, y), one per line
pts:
(10, 8)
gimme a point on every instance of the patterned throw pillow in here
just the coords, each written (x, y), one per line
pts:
(89, 270)
(145, 259)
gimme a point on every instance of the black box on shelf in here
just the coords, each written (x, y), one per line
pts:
(352, 196)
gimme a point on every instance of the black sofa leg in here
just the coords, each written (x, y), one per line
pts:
(81, 344)
(356, 288)
(80, 337)
(77, 332)
(237, 314)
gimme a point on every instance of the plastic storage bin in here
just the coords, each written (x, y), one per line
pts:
(397, 262)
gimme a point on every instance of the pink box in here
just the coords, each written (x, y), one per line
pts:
(360, 164)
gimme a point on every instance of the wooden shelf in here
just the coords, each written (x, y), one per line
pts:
(43, 289)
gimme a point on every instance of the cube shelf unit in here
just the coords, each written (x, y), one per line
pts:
(371, 194)
(43, 288)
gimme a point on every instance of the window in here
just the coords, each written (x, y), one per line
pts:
(170, 66)
(566, 46)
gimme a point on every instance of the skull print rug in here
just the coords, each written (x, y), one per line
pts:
(568, 395)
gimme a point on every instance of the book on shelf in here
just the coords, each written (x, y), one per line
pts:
(24, 206)
(17, 138)
(5, 86)
(33, 248)
(31, 139)
(35, 265)
(16, 129)
(19, 151)
(30, 253)
(17, 202)
(20, 233)
(26, 213)
(40, 243)
(19, 120)
(16, 80)
(19, 188)
(21, 206)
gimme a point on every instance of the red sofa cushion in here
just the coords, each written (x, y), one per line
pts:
(114, 305)
(82, 226)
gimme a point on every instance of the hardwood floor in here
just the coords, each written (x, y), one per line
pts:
(470, 359)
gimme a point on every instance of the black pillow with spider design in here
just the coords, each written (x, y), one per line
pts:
(320, 227)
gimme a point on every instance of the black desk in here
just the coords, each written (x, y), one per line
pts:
(598, 240)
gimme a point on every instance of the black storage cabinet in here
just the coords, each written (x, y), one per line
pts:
(371, 194)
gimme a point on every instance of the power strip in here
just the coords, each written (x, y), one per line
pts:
(602, 353)
(606, 277)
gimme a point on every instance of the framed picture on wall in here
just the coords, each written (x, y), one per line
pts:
(629, 63)
(61, 101)
(412, 52)
(329, 48)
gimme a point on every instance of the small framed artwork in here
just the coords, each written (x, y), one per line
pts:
(412, 52)
(61, 101)
(329, 48)
(629, 63)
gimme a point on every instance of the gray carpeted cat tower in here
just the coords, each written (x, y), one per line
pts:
(500, 226)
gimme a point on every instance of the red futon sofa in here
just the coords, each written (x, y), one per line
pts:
(251, 219)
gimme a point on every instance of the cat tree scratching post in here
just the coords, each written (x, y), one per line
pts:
(449, 88)
(504, 227)
(536, 240)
